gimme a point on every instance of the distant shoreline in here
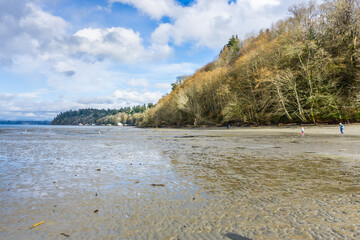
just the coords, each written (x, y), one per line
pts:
(8, 122)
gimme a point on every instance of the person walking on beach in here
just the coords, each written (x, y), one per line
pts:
(341, 128)
(302, 131)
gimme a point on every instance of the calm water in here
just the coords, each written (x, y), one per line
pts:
(32, 157)
(128, 183)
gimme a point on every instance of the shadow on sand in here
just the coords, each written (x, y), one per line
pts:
(234, 236)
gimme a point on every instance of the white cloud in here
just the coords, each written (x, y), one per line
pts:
(32, 36)
(175, 68)
(258, 4)
(4, 97)
(95, 100)
(165, 86)
(210, 23)
(65, 68)
(23, 101)
(77, 76)
(31, 105)
(123, 45)
(29, 114)
(137, 97)
(162, 33)
(25, 29)
(32, 116)
(120, 44)
(154, 8)
(38, 22)
(158, 51)
(140, 82)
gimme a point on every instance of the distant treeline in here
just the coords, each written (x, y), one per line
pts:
(25, 122)
(127, 115)
(304, 69)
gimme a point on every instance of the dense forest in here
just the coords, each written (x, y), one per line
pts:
(304, 69)
(127, 115)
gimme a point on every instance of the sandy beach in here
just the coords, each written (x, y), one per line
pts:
(213, 183)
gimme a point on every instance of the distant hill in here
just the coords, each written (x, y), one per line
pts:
(25, 122)
(304, 69)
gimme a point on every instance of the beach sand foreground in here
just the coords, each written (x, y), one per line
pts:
(127, 183)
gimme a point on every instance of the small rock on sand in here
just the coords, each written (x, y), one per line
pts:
(157, 185)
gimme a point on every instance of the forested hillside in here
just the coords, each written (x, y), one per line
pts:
(305, 69)
(90, 116)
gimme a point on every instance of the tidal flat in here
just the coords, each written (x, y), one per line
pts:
(213, 183)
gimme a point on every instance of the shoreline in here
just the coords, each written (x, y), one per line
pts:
(311, 127)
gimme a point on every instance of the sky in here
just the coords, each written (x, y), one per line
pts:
(57, 55)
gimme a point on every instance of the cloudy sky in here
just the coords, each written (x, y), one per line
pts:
(57, 55)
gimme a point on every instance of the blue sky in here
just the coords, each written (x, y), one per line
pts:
(57, 55)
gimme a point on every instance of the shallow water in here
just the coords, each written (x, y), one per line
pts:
(176, 184)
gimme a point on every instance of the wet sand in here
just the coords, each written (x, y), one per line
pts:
(241, 183)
